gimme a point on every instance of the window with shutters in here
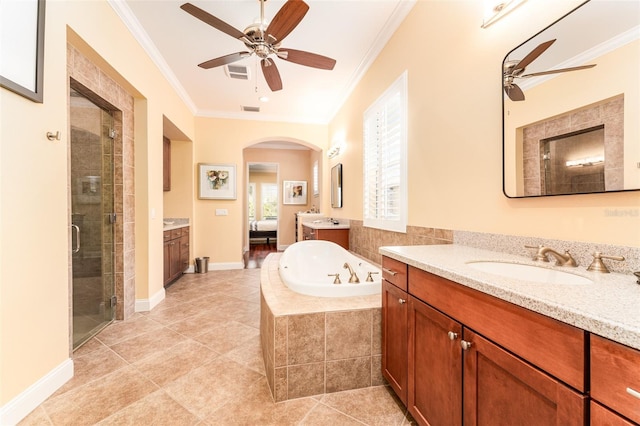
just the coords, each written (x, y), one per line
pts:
(385, 159)
(269, 200)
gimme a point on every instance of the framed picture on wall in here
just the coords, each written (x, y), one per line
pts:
(22, 48)
(217, 181)
(294, 192)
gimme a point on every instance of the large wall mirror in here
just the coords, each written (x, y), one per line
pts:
(571, 104)
(336, 186)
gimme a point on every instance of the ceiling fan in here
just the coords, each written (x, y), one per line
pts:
(515, 69)
(264, 40)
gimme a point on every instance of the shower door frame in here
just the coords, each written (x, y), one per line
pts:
(116, 233)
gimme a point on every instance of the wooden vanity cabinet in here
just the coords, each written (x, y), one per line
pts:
(394, 330)
(434, 366)
(339, 236)
(176, 253)
(475, 359)
(615, 380)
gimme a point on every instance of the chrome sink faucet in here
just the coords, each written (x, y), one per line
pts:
(353, 278)
(561, 259)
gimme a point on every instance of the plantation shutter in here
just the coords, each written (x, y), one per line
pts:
(385, 160)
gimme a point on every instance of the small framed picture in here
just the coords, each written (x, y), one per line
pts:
(217, 181)
(294, 192)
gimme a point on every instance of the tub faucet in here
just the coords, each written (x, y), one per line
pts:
(561, 259)
(353, 278)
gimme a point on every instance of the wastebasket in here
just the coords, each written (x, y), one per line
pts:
(202, 265)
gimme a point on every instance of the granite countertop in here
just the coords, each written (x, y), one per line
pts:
(174, 223)
(326, 225)
(609, 307)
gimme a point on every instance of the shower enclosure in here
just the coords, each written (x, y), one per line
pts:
(92, 219)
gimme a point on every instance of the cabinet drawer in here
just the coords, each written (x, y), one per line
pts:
(395, 272)
(176, 233)
(615, 376)
(551, 345)
(601, 416)
(167, 236)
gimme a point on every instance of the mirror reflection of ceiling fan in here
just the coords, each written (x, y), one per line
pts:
(515, 69)
(264, 40)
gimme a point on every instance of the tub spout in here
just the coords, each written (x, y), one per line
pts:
(353, 278)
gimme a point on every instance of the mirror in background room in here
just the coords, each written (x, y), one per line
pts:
(571, 105)
(336, 186)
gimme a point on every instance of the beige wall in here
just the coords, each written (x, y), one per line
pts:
(455, 124)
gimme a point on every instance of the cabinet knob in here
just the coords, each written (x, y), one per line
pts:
(452, 335)
(402, 301)
(466, 345)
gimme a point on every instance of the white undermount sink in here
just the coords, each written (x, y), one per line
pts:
(521, 271)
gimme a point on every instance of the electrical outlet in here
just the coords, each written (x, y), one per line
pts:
(222, 212)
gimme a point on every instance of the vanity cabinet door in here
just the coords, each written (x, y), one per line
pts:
(615, 376)
(502, 389)
(435, 366)
(394, 338)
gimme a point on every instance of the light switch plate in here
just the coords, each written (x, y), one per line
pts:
(222, 212)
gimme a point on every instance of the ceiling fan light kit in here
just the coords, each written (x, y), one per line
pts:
(264, 41)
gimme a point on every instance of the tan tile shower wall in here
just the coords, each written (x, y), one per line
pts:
(81, 69)
(609, 112)
(366, 241)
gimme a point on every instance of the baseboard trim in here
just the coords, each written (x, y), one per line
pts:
(283, 247)
(145, 305)
(225, 266)
(19, 407)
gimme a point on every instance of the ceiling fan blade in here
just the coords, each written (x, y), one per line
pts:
(224, 60)
(533, 55)
(271, 74)
(514, 92)
(212, 20)
(306, 58)
(287, 18)
(535, 74)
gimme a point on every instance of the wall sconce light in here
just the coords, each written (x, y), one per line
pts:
(497, 9)
(583, 162)
(334, 150)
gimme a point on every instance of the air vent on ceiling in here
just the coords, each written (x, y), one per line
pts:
(250, 108)
(239, 72)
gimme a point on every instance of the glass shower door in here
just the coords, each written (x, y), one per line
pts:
(92, 206)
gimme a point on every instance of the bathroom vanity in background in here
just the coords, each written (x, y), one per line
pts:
(176, 252)
(327, 231)
(457, 355)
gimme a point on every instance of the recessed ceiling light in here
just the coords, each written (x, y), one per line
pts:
(263, 99)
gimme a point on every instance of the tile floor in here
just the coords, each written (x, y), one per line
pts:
(196, 360)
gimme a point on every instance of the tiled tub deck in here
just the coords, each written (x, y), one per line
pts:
(314, 345)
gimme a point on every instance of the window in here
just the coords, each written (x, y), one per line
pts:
(252, 201)
(316, 185)
(385, 159)
(269, 194)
